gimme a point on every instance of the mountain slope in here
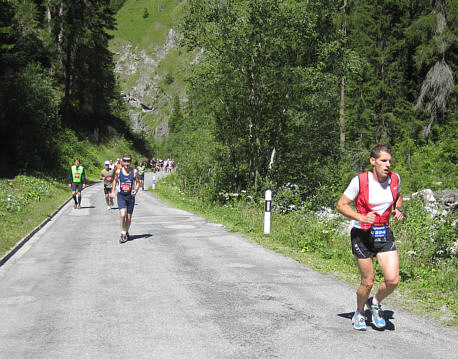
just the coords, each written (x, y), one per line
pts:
(149, 65)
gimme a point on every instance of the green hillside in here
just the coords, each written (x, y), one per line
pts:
(149, 65)
(149, 31)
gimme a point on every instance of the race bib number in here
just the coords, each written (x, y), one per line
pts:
(108, 178)
(125, 187)
(77, 175)
(378, 231)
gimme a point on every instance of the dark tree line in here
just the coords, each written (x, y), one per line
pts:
(56, 72)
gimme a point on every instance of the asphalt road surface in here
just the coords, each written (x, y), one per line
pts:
(183, 288)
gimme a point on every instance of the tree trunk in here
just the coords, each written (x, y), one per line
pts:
(272, 156)
(68, 59)
(342, 113)
(342, 85)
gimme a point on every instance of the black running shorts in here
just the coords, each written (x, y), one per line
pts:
(363, 246)
(77, 186)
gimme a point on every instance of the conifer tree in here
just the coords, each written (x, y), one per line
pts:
(83, 63)
(377, 103)
(439, 82)
(28, 102)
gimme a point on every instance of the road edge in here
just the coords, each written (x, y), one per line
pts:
(25, 239)
(11, 252)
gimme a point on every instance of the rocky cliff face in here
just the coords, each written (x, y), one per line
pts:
(141, 86)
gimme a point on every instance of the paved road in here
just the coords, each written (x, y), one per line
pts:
(182, 288)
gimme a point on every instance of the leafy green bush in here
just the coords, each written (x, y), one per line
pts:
(169, 79)
(17, 193)
(29, 108)
(288, 198)
(425, 241)
(92, 156)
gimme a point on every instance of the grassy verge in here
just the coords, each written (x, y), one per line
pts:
(25, 202)
(319, 243)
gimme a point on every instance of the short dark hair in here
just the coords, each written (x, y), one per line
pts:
(377, 149)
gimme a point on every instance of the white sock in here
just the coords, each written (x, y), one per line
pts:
(123, 232)
(375, 301)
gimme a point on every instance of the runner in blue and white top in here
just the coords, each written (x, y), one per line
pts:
(127, 178)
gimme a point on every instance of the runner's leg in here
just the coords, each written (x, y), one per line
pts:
(123, 216)
(389, 263)
(128, 221)
(366, 269)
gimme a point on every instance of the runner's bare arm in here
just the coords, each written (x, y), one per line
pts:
(115, 180)
(397, 214)
(343, 207)
(137, 181)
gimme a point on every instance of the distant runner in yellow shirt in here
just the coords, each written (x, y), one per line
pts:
(77, 181)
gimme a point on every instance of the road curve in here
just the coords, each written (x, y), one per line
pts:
(183, 288)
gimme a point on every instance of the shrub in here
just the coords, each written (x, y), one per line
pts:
(425, 241)
(16, 193)
(169, 78)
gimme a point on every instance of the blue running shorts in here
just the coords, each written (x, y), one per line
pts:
(126, 201)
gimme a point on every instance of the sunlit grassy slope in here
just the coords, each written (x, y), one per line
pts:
(145, 23)
(145, 26)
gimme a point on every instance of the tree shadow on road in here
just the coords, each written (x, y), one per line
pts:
(387, 314)
(134, 237)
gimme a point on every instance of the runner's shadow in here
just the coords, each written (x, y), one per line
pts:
(387, 314)
(84, 207)
(133, 237)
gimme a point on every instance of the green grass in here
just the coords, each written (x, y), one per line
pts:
(320, 244)
(25, 202)
(176, 63)
(151, 31)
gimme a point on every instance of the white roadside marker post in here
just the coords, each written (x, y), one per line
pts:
(154, 182)
(268, 198)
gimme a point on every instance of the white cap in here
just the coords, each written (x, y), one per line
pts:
(107, 162)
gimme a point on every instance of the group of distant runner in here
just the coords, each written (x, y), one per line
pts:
(158, 164)
(120, 180)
